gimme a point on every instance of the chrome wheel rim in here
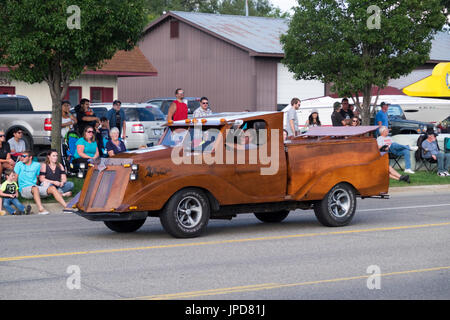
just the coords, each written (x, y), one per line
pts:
(340, 203)
(189, 212)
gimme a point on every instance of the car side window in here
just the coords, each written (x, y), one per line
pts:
(145, 115)
(131, 114)
(99, 112)
(25, 105)
(165, 106)
(8, 105)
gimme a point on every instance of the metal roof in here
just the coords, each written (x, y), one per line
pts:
(440, 48)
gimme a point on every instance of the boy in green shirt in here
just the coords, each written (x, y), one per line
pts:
(9, 192)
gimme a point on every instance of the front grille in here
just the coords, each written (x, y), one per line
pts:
(104, 189)
(90, 190)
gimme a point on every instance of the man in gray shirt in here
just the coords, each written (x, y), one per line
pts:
(16, 143)
(430, 150)
(292, 118)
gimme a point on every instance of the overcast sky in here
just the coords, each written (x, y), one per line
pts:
(284, 5)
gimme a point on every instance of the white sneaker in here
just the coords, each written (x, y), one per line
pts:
(409, 171)
(43, 212)
(447, 173)
(441, 174)
(413, 148)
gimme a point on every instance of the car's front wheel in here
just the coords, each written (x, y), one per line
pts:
(186, 214)
(338, 206)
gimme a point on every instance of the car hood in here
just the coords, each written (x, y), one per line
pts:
(398, 119)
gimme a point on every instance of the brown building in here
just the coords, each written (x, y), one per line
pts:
(233, 60)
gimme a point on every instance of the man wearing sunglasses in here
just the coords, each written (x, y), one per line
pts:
(204, 109)
(16, 143)
(28, 172)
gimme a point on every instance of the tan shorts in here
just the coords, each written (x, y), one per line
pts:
(27, 194)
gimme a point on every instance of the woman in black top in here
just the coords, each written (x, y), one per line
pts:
(53, 176)
(5, 154)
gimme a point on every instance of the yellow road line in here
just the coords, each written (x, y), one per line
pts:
(203, 243)
(268, 286)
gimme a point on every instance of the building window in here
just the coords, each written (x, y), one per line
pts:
(174, 29)
(7, 90)
(101, 95)
(73, 95)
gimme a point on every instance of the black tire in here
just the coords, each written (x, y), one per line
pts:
(338, 206)
(186, 214)
(272, 217)
(124, 226)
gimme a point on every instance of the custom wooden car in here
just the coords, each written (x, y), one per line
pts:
(220, 166)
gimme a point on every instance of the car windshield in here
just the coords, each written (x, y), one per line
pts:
(395, 111)
(198, 138)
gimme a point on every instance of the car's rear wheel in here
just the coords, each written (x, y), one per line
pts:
(272, 217)
(125, 226)
(338, 206)
(186, 214)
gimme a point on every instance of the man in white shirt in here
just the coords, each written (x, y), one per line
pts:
(396, 148)
(16, 143)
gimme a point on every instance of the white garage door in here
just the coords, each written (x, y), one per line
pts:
(288, 87)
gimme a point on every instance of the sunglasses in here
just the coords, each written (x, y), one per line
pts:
(205, 102)
(89, 131)
(25, 156)
(19, 132)
(2, 135)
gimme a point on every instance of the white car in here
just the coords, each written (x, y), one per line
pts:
(143, 123)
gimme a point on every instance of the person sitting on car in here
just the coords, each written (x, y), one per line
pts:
(115, 146)
(87, 149)
(6, 162)
(396, 148)
(17, 144)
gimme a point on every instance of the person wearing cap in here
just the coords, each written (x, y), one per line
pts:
(336, 118)
(381, 118)
(313, 119)
(116, 118)
(431, 150)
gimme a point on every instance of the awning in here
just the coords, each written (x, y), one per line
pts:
(436, 85)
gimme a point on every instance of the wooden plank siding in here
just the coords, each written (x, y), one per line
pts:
(202, 65)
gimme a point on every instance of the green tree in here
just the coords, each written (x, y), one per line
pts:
(347, 44)
(262, 8)
(54, 42)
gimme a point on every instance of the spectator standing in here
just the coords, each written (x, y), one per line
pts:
(292, 117)
(336, 118)
(396, 148)
(346, 112)
(204, 109)
(86, 146)
(178, 109)
(85, 116)
(431, 150)
(116, 118)
(115, 146)
(9, 191)
(16, 143)
(53, 177)
(381, 118)
(6, 162)
(68, 121)
(313, 119)
(28, 172)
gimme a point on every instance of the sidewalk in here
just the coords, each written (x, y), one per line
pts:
(56, 208)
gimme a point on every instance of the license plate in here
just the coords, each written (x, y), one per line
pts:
(157, 132)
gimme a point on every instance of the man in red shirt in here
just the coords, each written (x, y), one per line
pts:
(178, 110)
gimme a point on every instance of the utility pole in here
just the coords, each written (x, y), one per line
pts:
(246, 8)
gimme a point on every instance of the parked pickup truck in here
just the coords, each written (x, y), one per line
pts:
(17, 111)
(217, 167)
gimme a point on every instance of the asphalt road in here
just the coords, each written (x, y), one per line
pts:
(393, 249)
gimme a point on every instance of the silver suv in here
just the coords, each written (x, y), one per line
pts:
(144, 123)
